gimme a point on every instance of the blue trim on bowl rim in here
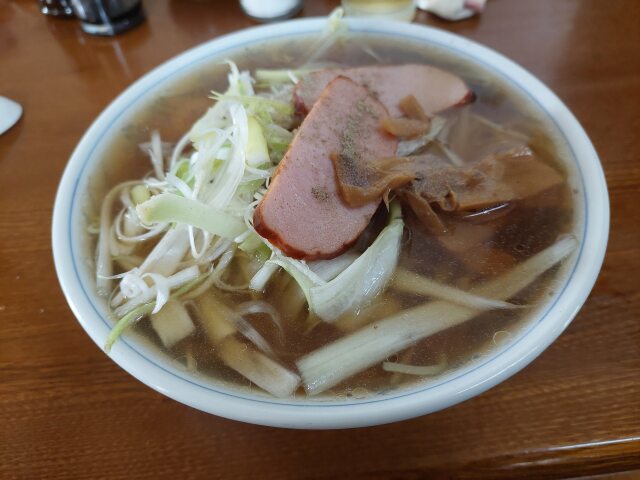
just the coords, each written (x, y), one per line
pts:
(220, 53)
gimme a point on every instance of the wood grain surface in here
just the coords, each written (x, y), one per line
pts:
(67, 411)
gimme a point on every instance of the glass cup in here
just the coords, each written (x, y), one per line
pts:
(402, 10)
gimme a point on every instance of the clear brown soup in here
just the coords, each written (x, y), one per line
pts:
(484, 247)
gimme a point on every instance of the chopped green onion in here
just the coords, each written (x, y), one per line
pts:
(145, 309)
(168, 207)
(262, 253)
(256, 102)
(140, 194)
(256, 152)
(251, 243)
(278, 76)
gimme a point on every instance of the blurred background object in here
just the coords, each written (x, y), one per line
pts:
(108, 17)
(10, 113)
(452, 10)
(56, 8)
(270, 10)
(402, 10)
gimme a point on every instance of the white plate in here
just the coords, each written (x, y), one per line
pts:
(10, 113)
(156, 371)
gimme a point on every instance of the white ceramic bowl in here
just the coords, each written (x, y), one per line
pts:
(154, 370)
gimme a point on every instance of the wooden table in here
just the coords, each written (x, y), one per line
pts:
(67, 411)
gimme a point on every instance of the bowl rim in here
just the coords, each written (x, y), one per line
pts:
(471, 381)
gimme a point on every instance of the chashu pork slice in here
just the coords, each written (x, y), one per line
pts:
(435, 89)
(302, 213)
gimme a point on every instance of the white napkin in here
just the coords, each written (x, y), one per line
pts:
(452, 9)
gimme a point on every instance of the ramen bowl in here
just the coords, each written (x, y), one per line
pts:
(72, 251)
